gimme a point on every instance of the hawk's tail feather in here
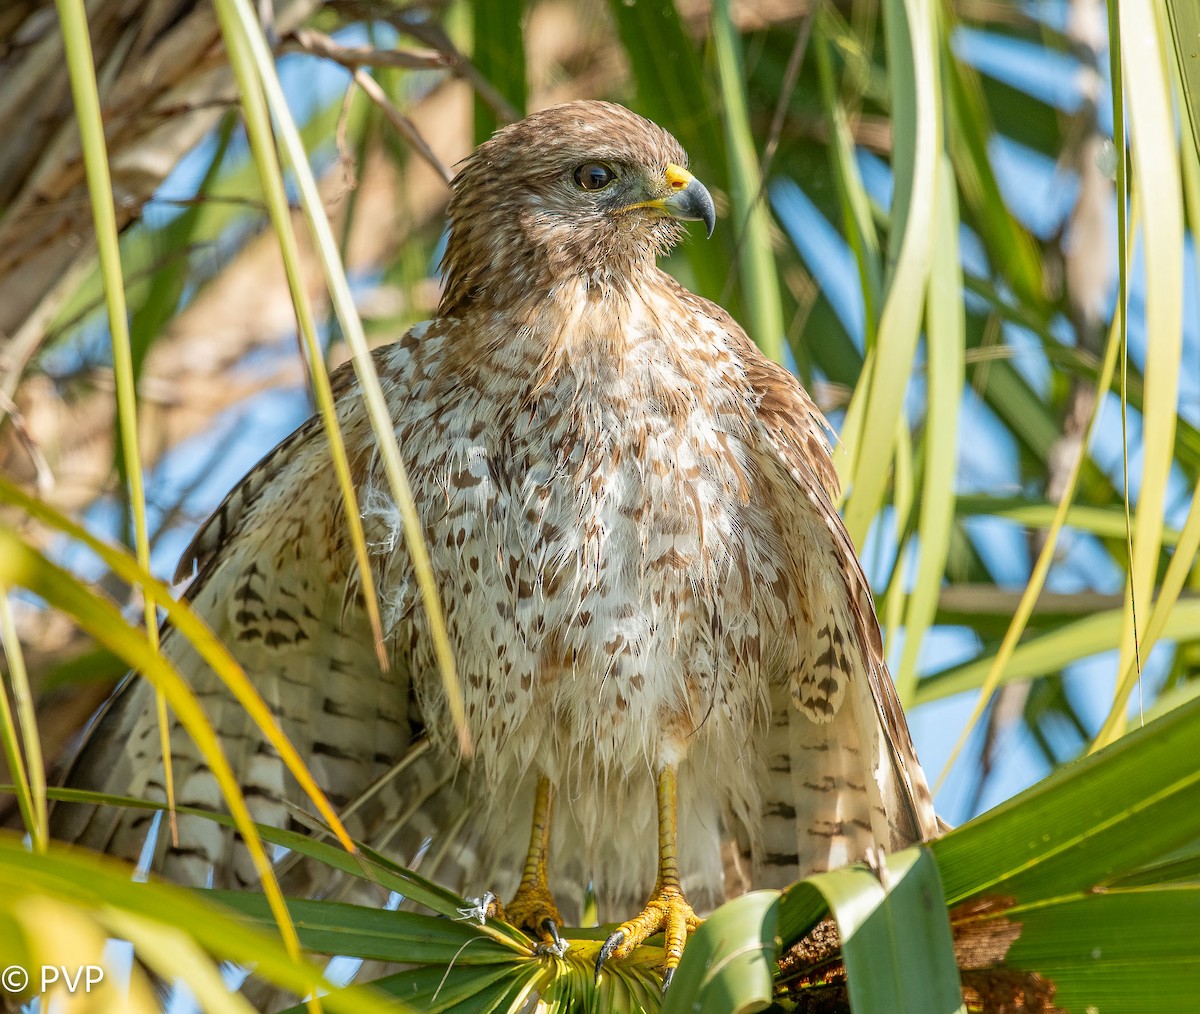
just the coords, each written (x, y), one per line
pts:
(832, 792)
(817, 808)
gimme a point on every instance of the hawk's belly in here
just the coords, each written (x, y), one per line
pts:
(613, 589)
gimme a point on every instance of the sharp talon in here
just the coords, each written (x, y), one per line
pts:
(560, 946)
(607, 951)
(668, 975)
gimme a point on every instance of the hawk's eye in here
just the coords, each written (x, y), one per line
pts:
(594, 176)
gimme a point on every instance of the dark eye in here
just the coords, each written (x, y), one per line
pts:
(594, 176)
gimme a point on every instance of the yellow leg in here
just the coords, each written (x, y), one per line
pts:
(533, 907)
(667, 910)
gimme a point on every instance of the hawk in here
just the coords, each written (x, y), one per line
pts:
(665, 640)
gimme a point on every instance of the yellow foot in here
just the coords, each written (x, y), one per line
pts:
(667, 911)
(533, 908)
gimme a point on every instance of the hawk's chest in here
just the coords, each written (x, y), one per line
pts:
(609, 511)
(603, 549)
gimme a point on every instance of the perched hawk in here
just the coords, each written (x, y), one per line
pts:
(664, 638)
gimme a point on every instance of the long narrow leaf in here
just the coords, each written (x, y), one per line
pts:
(1157, 181)
(944, 342)
(896, 940)
(1086, 824)
(22, 750)
(1001, 662)
(727, 964)
(239, 23)
(1048, 652)
(258, 129)
(103, 887)
(752, 235)
(77, 43)
(916, 111)
(198, 635)
(21, 566)
(1125, 952)
(1183, 18)
(499, 55)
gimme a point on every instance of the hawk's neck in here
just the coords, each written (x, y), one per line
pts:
(578, 322)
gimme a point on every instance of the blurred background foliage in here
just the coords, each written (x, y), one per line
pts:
(923, 213)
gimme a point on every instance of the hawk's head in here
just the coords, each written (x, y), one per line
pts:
(585, 189)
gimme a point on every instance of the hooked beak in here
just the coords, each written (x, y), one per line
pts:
(687, 199)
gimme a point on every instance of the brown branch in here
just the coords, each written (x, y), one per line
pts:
(308, 40)
(401, 122)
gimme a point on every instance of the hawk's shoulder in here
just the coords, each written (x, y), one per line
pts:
(791, 431)
(790, 421)
(292, 466)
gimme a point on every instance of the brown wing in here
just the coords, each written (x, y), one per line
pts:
(843, 775)
(795, 430)
(276, 584)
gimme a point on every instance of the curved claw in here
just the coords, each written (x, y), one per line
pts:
(613, 942)
(668, 975)
(667, 912)
(559, 946)
(533, 909)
